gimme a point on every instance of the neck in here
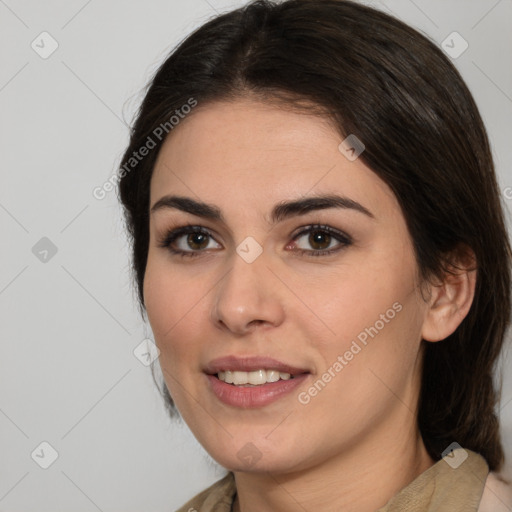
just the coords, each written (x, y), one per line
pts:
(362, 479)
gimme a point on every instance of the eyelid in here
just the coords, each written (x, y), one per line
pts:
(171, 235)
(338, 234)
(343, 241)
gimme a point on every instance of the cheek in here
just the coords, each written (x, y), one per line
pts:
(174, 307)
(159, 299)
(367, 364)
(372, 314)
(172, 302)
(354, 298)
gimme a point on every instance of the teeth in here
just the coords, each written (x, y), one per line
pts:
(255, 378)
(258, 377)
(240, 378)
(272, 376)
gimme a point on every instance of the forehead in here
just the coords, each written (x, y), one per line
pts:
(252, 152)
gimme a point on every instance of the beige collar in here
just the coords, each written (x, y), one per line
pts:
(440, 488)
(443, 488)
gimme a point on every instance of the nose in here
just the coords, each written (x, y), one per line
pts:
(247, 298)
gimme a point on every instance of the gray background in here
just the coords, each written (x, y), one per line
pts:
(69, 326)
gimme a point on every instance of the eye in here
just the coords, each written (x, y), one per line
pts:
(188, 241)
(320, 240)
(315, 240)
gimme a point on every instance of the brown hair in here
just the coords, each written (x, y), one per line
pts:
(383, 81)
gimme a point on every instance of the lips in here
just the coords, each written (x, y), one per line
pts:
(251, 364)
(247, 395)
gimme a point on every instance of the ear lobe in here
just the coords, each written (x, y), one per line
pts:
(451, 299)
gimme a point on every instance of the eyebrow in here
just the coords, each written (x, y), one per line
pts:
(281, 211)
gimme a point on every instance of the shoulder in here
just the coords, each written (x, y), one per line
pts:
(216, 498)
(497, 495)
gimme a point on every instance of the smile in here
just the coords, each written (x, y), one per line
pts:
(252, 381)
(255, 378)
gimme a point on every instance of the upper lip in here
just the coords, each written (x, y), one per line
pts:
(249, 364)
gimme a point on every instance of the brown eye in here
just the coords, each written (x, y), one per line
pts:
(189, 240)
(319, 240)
(197, 241)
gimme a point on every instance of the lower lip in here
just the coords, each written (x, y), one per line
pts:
(257, 396)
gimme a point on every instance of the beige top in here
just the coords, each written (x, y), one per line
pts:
(440, 488)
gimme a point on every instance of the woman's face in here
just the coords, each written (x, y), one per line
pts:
(276, 279)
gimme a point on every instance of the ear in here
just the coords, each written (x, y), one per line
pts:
(451, 297)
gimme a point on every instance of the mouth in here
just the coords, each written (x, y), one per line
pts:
(252, 381)
(253, 378)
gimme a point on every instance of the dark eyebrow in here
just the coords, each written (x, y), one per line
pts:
(281, 211)
(287, 209)
(187, 205)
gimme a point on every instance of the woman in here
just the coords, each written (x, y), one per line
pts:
(319, 245)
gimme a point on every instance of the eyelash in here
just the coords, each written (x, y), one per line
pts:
(171, 236)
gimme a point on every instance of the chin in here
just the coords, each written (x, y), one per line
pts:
(261, 464)
(258, 456)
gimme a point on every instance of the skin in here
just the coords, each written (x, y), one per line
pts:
(356, 443)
